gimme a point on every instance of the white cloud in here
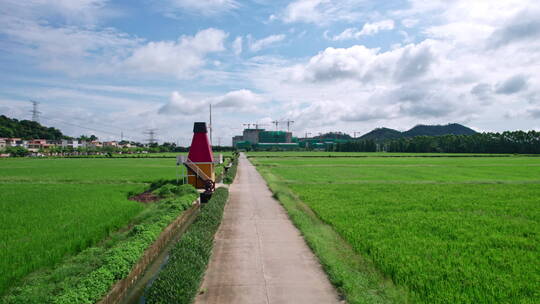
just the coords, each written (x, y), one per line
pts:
(320, 12)
(63, 48)
(178, 104)
(455, 74)
(367, 65)
(237, 45)
(409, 22)
(172, 8)
(180, 58)
(368, 29)
(258, 45)
(236, 101)
(70, 11)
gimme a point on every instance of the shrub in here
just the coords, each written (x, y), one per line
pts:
(231, 173)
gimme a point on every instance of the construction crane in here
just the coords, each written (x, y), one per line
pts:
(289, 123)
(257, 125)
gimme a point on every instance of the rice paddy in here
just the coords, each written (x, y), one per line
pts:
(448, 230)
(50, 208)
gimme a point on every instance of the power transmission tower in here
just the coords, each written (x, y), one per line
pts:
(276, 123)
(35, 112)
(151, 136)
(248, 125)
(306, 135)
(356, 133)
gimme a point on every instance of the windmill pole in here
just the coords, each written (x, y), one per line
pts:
(210, 125)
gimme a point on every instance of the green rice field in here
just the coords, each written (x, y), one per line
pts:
(447, 229)
(50, 208)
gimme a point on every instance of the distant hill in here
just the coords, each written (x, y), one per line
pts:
(333, 135)
(383, 134)
(27, 129)
(426, 130)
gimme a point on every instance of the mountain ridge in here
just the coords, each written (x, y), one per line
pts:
(382, 134)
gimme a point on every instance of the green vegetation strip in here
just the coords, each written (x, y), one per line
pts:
(355, 277)
(180, 278)
(231, 172)
(86, 277)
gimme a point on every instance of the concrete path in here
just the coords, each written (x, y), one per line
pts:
(259, 256)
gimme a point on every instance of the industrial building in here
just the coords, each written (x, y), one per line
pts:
(261, 139)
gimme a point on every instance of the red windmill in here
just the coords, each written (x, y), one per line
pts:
(200, 160)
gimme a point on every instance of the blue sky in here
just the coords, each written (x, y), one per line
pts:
(106, 67)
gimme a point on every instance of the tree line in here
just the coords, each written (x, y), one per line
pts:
(518, 142)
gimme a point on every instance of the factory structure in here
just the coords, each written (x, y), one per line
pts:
(264, 140)
(261, 139)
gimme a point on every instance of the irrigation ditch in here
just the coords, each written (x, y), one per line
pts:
(134, 287)
(131, 288)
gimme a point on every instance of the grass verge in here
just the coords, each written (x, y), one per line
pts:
(88, 276)
(355, 277)
(181, 277)
(231, 173)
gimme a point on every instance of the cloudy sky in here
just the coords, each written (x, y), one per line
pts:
(112, 66)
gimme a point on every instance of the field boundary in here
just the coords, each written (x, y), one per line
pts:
(355, 277)
(389, 156)
(121, 289)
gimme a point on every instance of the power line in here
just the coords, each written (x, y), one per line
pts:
(86, 128)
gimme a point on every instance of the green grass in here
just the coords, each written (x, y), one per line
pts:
(405, 170)
(63, 170)
(179, 280)
(142, 155)
(362, 154)
(446, 230)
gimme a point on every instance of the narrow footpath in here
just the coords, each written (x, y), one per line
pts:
(259, 256)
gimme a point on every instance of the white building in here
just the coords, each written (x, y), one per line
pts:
(72, 143)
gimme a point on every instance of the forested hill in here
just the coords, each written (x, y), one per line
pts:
(27, 129)
(449, 129)
(383, 134)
